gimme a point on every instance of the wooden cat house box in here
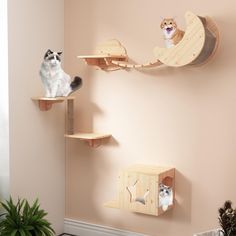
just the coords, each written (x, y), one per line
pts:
(145, 189)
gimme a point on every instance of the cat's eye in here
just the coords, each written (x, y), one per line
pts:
(165, 23)
(170, 23)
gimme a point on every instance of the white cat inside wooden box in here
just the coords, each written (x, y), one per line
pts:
(56, 82)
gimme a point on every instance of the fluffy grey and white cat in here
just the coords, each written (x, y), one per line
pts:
(56, 82)
(165, 196)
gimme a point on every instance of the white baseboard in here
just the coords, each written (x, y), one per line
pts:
(80, 228)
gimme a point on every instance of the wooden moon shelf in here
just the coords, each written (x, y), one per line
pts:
(197, 46)
(45, 103)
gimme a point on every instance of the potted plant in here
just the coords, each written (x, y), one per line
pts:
(227, 219)
(21, 219)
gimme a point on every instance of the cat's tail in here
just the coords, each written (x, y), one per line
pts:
(76, 84)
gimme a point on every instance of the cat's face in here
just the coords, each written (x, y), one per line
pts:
(52, 58)
(168, 25)
(164, 191)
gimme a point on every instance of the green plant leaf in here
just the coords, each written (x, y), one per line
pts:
(21, 219)
(14, 232)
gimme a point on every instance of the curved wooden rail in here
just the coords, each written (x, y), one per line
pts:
(125, 64)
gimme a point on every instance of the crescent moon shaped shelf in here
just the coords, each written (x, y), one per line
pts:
(198, 45)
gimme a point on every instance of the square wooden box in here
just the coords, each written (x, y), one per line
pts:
(139, 189)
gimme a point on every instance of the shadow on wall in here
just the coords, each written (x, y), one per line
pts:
(182, 210)
(87, 173)
(183, 201)
(180, 214)
(89, 170)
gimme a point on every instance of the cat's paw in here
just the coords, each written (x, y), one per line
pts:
(165, 207)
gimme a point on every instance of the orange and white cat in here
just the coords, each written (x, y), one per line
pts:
(172, 34)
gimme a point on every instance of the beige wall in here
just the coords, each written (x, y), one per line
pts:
(174, 117)
(36, 138)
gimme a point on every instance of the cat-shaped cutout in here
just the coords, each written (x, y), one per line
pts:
(172, 34)
(132, 191)
(56, 82)
(165, 196)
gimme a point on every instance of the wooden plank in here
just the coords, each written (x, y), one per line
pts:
(52, 99)
(147, 169)
(132, 65)
(70, 117)
(88, 136)
(112, 204)
(101, 56)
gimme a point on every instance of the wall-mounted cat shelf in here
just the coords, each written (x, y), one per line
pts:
(45, 104)
(145, 189)
(197, 46)
(102, 61)
(104, 55)
(92, 139)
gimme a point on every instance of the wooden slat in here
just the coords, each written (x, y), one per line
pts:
(51, 99)
(101, 56)
(70, 117)
(88, 136)
(125, 64)
(146, 169)
(112, 204)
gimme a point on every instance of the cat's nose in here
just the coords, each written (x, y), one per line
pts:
(54, 62)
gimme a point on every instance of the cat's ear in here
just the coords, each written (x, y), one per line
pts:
(161, 24)
(59, 53)
(49, 52)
